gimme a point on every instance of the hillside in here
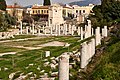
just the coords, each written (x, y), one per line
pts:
(86, 2)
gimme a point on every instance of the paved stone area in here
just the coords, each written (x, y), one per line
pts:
(54, 43)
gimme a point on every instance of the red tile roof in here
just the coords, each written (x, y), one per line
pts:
(67, 7)
(12, 6)
(40, 7)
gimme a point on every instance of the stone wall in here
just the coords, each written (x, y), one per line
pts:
(9, 34)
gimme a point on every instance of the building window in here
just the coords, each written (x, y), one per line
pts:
(50, 21)
(33, 11)
(42, 12)
(39, 11)
(55, 10)
(47, 11)
(36, 11)
(80, 12)
(76, 11)
(83, 11)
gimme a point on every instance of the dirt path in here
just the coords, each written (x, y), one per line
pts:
(28, 48)
(53, 43)
(1, 54)
(21, 39)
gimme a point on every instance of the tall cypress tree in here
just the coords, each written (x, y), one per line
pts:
(3, 5)
(47, 3)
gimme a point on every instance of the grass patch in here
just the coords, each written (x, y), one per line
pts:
(4, 49)
(25, 57)
(109, 66)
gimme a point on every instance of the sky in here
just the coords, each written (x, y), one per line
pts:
(30, 2)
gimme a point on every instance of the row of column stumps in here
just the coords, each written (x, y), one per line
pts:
(87, 49)
(53, 29)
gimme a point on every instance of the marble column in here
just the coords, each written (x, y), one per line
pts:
(89, 28)
(81, 33)
(43, 29)
(33, 29)
(26, 29)
(21, 28)
(106, 31)
(72, 30)
(103, 33)
(65, 29)
(98, 36)
(84, 56)
(92, 31)
(64, 67)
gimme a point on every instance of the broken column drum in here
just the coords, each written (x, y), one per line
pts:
(33, 29)
(64, 67)
(97, 36)
(89, 28)
(84, 56)
(105, 31)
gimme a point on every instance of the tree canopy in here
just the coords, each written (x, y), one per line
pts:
(6, 21)
(47, 3)
(3, 5)
(106, 14)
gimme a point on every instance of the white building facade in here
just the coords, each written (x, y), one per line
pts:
(55, 14)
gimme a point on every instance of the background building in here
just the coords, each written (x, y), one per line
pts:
(16, 11)
(67, 11)
(40, 11)
(55, 14)
(79, 10)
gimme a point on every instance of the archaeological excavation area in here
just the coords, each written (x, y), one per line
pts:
(56, 52)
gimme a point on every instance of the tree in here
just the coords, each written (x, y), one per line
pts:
(3, 23)
(27, 18)
(10, 19)
(106, 14)
(3, 5)
(6, 21)
(47, 3)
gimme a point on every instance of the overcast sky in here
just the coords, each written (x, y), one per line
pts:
(30, 2)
